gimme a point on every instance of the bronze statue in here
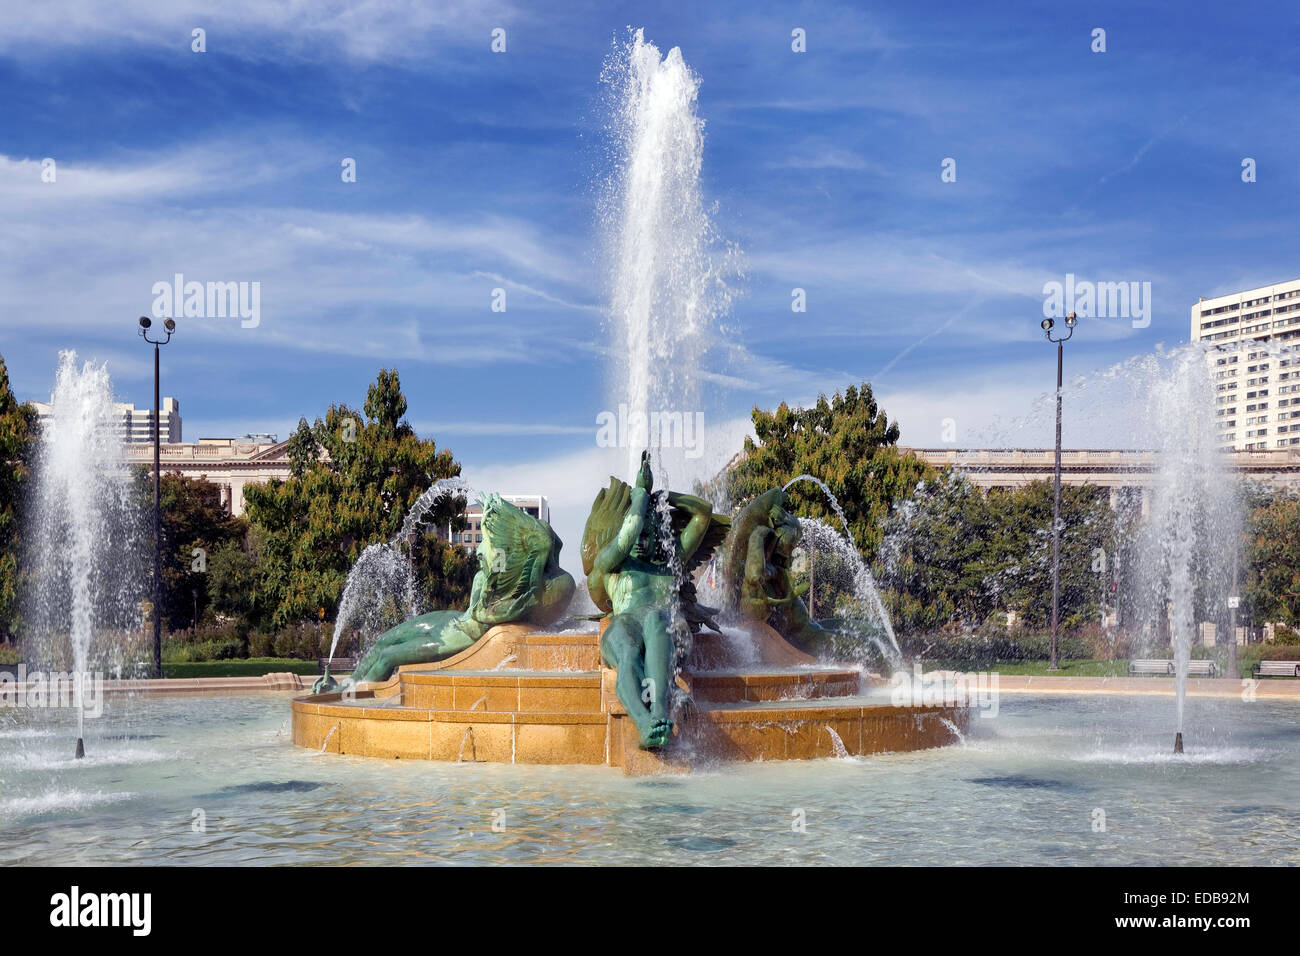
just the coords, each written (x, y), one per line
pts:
(639, 551)
(755, 570)
(519, 579)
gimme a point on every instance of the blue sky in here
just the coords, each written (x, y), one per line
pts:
(478, 170)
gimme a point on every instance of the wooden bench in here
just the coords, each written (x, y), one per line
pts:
(1276, 669)
(1194, 668)
(340, 665)
(1150, 667)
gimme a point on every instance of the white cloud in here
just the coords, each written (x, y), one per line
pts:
(320, 29)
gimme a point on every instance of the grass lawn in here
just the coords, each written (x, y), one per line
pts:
(1072, 668)
(244, 667)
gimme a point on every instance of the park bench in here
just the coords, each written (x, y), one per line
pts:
(340, 665)
(1276, 669)
(1150, 667)
(1194, 668)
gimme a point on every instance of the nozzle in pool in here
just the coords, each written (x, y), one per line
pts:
(81, 749)
(1178, 742)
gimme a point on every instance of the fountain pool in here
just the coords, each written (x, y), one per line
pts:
(1024, 788)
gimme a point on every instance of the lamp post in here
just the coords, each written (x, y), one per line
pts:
(169, 326)
(1048, 325)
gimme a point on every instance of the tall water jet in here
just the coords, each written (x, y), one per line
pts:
(667, 270)
(83, 535)
(1195, 522)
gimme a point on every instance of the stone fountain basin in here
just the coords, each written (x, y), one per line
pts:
(520, 697)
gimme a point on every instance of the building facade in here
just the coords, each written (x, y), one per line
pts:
(136, 424)
(536, 505)
(1126, 474)
(230, 463)
(1253, 364)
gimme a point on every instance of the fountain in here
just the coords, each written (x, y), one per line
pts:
(1193, 511)
(84, 536)
(657, 689)
(659, 686)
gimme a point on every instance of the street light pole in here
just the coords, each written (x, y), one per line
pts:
(1047, 326)
(169, 326)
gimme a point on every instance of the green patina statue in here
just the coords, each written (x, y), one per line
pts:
(519, 579)
(755, 571)
(639, 549)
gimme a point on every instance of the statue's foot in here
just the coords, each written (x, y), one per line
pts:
(657, 734)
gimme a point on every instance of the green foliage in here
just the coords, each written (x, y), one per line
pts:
(312, 527)
(10, 655)
(1272, 558)
(1283, 635)
(18, 435)
(251, 667)
(193, 518)
(847, 442)
(953, 552)
(233, 572)
(987, 647)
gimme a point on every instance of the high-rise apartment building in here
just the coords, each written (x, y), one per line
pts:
(1254, 365)
(136, 423)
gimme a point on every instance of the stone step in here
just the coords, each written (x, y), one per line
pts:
(774, 684)
(504, 691)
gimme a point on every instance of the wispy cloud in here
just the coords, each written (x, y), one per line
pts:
(373, 30)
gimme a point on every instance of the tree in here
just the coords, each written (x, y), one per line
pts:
(232, 579)
(194, 525)
(931, 562)
(954, 553)
(18, 434)
(1273, 561)
(846, 442)
(314, 525)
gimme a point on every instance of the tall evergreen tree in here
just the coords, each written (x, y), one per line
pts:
(355, 474)
(847, 442)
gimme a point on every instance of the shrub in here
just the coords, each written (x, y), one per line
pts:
(1269, 652)
(1108, 644)
(10, 655)
(303, 641)
(261, 645)
(1283, 635)
(180, 651)
(978, 646)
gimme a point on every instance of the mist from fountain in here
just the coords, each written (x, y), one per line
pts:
(864, 583)
(864, 616)
(1164, 402)
(381, 590)
(83, 535)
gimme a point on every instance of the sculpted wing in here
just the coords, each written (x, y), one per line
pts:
(521, 546)
(602, 526)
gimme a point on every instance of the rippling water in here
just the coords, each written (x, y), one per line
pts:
(1025, 788)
